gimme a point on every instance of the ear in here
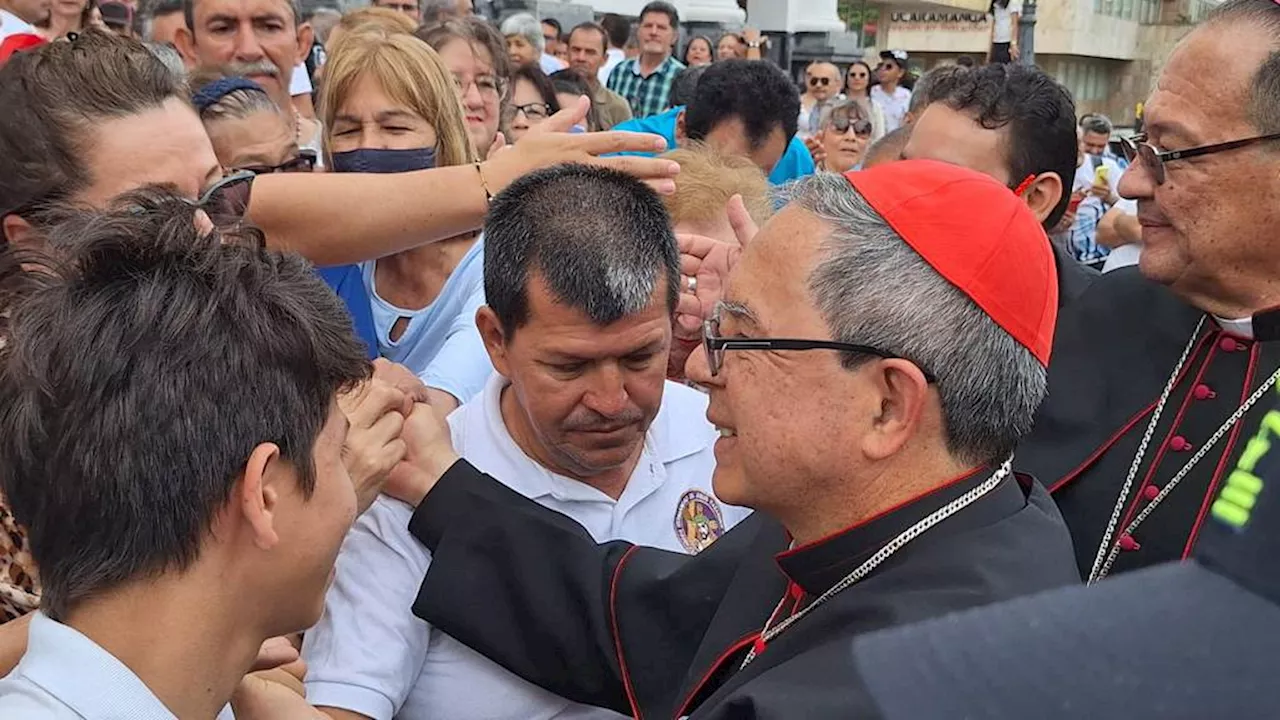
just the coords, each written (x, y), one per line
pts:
(259, 494)
(185, 41)
(495, 340)
(902, 391)
(306, 36)
(1043, 195)
(681, 135)
(19, 232)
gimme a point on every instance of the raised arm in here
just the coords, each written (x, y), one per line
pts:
(338, 218)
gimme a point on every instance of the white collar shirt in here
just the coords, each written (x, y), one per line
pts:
(371, 655)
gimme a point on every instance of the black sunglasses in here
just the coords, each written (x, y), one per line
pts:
(305, 162)
(716, 346)
(226, 201)
(816, 81)
(1137, 148)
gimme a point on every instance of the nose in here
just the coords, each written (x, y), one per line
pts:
(248, 49)
(471, 97)
(608, 393)
(697, 369)
(1136, 183)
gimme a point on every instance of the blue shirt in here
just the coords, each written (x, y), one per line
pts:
(795, 163)
(65, 675)
(345, 281)
(440, 343)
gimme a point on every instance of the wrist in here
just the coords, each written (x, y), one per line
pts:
(423, 474)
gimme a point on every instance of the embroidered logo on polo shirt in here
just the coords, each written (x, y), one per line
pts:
(699, 521)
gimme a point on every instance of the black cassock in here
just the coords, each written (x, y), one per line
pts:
(662, 635)
(1115, 349)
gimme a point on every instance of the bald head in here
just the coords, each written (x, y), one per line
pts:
(822, 80)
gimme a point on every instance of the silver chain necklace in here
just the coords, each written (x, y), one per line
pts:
(767, 634)
(1109, 548)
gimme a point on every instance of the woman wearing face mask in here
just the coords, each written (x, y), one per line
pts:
(250, 134)
(389, 105)
(857, 88)
(476, 55)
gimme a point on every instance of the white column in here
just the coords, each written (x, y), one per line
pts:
(711, 11)
(794, 15)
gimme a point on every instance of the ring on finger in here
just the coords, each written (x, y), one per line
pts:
(693, 285)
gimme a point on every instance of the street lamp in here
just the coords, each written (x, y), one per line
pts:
(1027, 33)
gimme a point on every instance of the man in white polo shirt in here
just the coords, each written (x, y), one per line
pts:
(581, 275)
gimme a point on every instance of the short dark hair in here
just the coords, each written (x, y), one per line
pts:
(600, 240)
(665, 8)
(924, 93)
(553, 23)
(534, 74)
(1263, 109)
(164, 7)
(573, 82)
(964, 61)
(759, 93)
(618, 29)
(1096, 123)
(594, 27)
(54, 98)
(1038, 113)
(138, 374)
(685, 86)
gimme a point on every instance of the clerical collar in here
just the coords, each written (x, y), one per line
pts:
(817, 566)
(1242, 327)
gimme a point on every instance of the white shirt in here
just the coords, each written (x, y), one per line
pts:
(1125, 255)
(11, 24)
(66, 676)
(893, 106)
(550, 63)
(1002, 21)
(300, 83)
(612, 57)
(371, 655)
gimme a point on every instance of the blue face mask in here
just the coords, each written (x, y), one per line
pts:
(370, 160)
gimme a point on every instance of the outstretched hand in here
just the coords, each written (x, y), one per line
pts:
(428, 454)
(705, 264)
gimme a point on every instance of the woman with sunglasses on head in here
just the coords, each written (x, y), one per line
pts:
(533, 99)
(845, 135)
(389, 106)
(858, 80)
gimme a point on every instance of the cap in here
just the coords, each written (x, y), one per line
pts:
(978, 235)
(1184, 640)
(116, 14)
(898, 56)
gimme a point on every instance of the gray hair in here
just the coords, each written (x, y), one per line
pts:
(1096, 123)
(171, 60)
(437, 10)
(1263, 109)
(526, 26)
(323, 21)
(873, 289)
(855, 109)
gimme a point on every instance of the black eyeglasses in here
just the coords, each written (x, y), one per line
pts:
(226, 200)
(305, 162)
(816, 81)
(716, 346)
(532, 111)
(842, 121)
(1137, 148)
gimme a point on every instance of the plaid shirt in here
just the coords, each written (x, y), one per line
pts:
(646, 95)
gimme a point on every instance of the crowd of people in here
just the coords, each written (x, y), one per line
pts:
(396, 363)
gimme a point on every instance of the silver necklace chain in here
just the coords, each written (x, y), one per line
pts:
(1109, 548)
(767, 634)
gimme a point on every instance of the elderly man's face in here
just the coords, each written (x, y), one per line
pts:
(787, 419)
(823, 80)
(582, 396)
(1213, 220)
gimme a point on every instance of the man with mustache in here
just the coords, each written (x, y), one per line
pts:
(263, 40)
(580, 274)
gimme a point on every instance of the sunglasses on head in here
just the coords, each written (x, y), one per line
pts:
(304, 163)
(226, 201)
(842, 121)
(816, 81)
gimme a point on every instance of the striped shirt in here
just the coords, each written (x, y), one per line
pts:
(647, 95)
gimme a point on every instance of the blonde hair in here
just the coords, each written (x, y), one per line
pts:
(389, 22)
(411, 73)
(708, 179)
